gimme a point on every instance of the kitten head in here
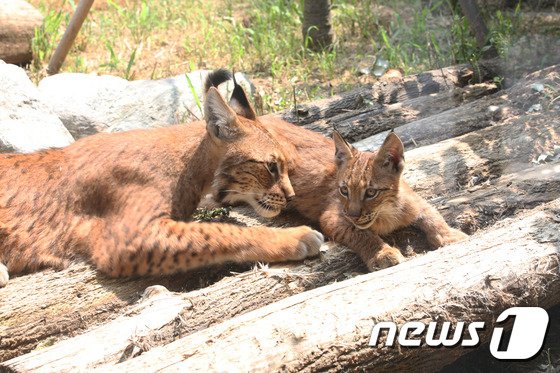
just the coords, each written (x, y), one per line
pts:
(368, 183)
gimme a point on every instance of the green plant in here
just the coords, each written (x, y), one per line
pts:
(206, 215)
(46, 37)
(194, 95)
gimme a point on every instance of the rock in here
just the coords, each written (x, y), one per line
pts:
(534, 108)
(27, 123)
(537, 87)
(88, 104)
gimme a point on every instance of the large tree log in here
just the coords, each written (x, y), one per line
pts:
(355, 125)
(54, 304)
(484, 112)
(388, 92)
(199, 309)
(515, 264)
(454, 164)
(18, 21)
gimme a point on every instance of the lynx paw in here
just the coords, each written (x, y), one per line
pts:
(4, 277)
(310, 242)
(387, 257)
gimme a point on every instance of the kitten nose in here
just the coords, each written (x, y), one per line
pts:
(354, 211)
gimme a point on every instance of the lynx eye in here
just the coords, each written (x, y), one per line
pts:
(272, 167)
(343, 190)
(371, 193)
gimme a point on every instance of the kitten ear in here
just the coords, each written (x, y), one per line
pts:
(391, 153)
(344, 151)
(220, 119)
(240, 103)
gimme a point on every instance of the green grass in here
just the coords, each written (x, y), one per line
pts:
(147, 39)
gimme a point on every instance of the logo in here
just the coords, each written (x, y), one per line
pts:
(525, 340)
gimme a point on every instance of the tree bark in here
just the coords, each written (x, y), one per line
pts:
(18, 21)
(387, 92)
(358, 124)
(477, 25)
(328, 329)
(317, 31)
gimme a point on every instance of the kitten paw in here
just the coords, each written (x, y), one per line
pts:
(4, 276)
(387, 257)
(452, 236)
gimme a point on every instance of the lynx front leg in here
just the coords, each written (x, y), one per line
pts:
(437, 231)
(375, 253)
(170, 246)
(4, 276)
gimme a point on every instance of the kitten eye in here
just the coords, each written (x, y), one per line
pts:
(272, 167)
(371, 193)
(343, 190)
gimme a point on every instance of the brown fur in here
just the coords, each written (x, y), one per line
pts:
(317, 170)
(121, 200)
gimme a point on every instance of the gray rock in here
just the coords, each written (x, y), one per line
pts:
(27, 123)
(88, 104)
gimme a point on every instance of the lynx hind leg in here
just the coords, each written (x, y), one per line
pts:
(437, 231)
(4, 276)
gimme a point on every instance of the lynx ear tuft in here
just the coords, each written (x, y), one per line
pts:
(221, 121)
(344, 151)
(215, 78)
(391, 153)
(240, 103)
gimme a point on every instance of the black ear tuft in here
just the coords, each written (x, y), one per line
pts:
(240, 103)
(217, 77)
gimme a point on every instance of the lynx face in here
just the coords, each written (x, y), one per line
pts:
(254, 169)
(257, 177)
(368, 183)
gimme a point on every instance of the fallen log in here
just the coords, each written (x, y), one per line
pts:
(454, 164)
(477, 207)
(49, 305)
(387, 92)
(200, 309)
(375, 118)
(517, 264)
(487, 202)
(18, 20)
(469, 117)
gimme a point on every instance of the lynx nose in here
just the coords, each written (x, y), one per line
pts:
(287, 188)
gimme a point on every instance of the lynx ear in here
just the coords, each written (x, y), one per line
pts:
(220, 118)
(391, 154)
(344, 151)
(240, 103)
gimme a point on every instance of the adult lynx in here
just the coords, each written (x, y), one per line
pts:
(121, 200)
